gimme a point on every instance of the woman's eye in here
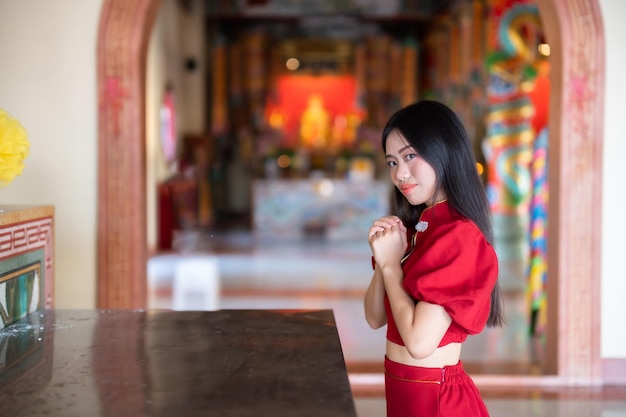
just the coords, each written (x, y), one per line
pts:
(391, 164)
(410, 156)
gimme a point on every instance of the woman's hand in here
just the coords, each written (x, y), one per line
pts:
(380, 236)
(387, 239)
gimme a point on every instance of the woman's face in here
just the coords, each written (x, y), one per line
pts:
(413, 176)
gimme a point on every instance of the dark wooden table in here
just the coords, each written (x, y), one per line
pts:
(165, 363)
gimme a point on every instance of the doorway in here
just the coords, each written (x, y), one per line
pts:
(575, 32)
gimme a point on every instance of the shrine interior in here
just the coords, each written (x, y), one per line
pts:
(270, 167)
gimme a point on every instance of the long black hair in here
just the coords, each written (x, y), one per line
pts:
(435, 132)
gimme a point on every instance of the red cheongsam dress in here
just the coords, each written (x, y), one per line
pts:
(451, 264)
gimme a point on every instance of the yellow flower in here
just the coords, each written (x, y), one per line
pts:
(14, 148)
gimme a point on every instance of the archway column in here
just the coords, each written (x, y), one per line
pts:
(122, 255)
(575, 32)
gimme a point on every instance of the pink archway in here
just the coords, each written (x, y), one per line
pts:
(574, 30)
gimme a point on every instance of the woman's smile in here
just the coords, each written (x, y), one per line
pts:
(407, 188)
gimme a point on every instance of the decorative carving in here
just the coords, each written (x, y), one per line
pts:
(123, 38)
(578, 221)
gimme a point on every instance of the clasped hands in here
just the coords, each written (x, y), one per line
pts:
(387, 239)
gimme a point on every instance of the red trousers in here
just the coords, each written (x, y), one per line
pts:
(431, 392)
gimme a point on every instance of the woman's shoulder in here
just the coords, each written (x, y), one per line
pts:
(457, 229)
(442, 226)
(457, 242)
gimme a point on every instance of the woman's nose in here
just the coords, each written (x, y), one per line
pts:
(402, 172)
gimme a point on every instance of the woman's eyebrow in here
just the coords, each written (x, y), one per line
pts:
(408, 147)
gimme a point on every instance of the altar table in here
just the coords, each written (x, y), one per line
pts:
(333, 209)
(174, 363)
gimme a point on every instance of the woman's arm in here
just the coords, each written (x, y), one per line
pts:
(421, 325)
(374, 302)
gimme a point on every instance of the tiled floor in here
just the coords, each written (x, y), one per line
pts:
(322, 275)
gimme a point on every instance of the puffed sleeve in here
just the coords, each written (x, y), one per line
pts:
(454, 267)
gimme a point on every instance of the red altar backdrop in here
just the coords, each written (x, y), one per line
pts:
(293, 92)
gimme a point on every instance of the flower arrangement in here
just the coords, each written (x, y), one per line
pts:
(14, 147)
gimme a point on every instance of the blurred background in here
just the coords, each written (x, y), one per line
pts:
(235, 144)
(265, 167)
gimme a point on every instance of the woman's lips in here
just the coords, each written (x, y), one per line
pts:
(406, 189)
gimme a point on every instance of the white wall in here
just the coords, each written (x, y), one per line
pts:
(193, 83)
(48, 82)
(614, 173)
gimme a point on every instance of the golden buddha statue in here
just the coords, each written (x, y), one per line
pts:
(314, 124)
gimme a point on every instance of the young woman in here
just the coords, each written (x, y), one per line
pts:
(435, 270)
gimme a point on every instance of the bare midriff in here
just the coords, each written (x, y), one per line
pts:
(447, 355)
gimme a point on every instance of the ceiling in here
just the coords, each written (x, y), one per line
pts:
(345, 19)
(299, 8)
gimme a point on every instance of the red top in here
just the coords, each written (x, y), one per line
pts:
(451, 265)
